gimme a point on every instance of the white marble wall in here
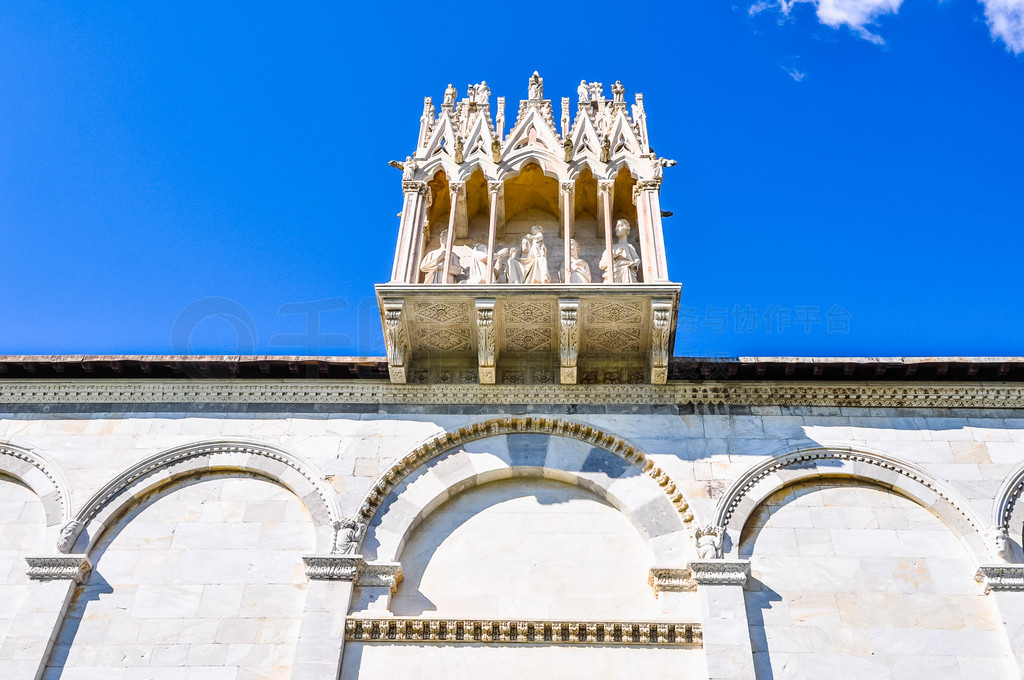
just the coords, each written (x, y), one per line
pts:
(850, 580)
(22, 533)
(204, 580)
(970, 452)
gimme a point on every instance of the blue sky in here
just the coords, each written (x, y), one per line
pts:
(205, 179)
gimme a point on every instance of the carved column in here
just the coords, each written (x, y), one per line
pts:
(454, 189)
(396, 340)
(1005, 583)
(652, 242)
(34, 629)
(494, 191)
(410, 231)
(321, 643)
(485, 346)
(724, 617)
(568, 338)
(604, 190)
(567, 216)
(661, 333)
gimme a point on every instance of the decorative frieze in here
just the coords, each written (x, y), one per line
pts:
(332, 567)
(766, 393)
(58, 567)
(1000, 577)
(720, 572)
(663, 579)
(534, 632)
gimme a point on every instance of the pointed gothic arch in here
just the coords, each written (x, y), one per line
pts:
(139, 481)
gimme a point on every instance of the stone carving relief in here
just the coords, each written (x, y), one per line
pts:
(527, 339)
(527, 313)
(535, 267)
(439, 312)
(617, 313)
(347, 535)
(709, 542)
(613, 340)
(433, 263)
(486, 351)
(443, 340)
(58, 568)
(568, 339)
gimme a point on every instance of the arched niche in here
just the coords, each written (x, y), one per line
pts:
(765, 478)
(151, 474)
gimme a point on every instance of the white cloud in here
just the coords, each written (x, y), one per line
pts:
(1006, 22)
(794, 73)
(1005, 17)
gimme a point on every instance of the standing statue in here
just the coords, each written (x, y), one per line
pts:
(478, 265)
(450, 93)
(483, 93)
(515, 271)
(660, 164)
(579, 270)
(459, 150)
(567, 148)
(408, 169)
(618, 93)
(536, 88)
(432, 264)
(584, 92)
(625, 261)
(709, 542)
(606, 150)
(496, 150)
(537, 268)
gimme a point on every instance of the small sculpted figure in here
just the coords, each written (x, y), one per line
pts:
(660, 164)
(496, 150)
(408, 169)
(584, 92)
(478, 265)
(349, 533)
(450, 93)
(68, 534)
(567, 147)
(536, 86)
(618, 92)
(536, 270)
(515, 269)
(709, 542)
(459, 150)
(483, 93)
(606, 150)
(1001, 541)
(432, 264)
(625, 261)
(579, 270)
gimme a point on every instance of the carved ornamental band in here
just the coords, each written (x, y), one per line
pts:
(58, 567)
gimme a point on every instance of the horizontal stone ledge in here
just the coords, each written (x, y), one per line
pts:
(531, 632)
(58, 567)
(720, 572)
(1000, 577)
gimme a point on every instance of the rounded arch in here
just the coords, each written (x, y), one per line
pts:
(44, 478)
(763, 479)
(154, 472)
(1008, 516)
(607, 465)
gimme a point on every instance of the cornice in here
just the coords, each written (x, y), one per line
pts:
(761, 393)
(1000, 577)
(58, 567)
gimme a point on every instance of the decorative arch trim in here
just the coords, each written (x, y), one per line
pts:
(441, 444)
(40, 475)
(1007, 513)
(150, 474)
(754, 486)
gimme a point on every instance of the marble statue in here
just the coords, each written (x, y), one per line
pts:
(536, 270)
(408, 169)
(660, 164)
(579, 270)
(347, 536)
(618, 93)
(515, 269)
(496, 150)
(450, 93)
(536, 86)
(606, 150)
(478, 264)
(482, 93)
(625, 261)
(459, 150)
(432, 264)
(584, 92)
(709, 542)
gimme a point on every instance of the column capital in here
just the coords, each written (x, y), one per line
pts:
(336, 567)
(413, 186)
(568, 188)
(605, 186)
(494, 186)
(720, 572)
(58, 567)
(456, 187)
(649, 185)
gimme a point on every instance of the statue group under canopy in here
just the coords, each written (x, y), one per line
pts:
(528, 263)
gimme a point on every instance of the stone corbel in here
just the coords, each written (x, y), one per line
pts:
(486, 350)
(661, 331)
(396, 339)
(1000, 577)
(568, 338)
(382, 575)
(333, 567)
(58, 568)
(669, 580)
(720, 572)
